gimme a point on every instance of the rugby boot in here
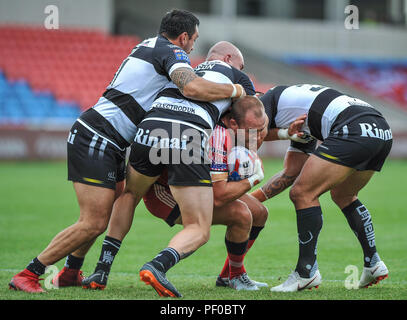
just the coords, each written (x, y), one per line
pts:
(150, 275)
(224, 282)
(373, 275)
(296, 283)
(26, 281)
(96, 281)
(68, 278)
(242, 282)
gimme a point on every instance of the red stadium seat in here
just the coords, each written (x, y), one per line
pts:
(75, 65)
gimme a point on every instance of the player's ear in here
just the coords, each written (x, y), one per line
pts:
(233, 124)
(183, 38)
(228, 59)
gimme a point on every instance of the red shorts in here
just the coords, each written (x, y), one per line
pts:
(160, 202)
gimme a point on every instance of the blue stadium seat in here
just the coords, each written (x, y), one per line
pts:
(19, 104)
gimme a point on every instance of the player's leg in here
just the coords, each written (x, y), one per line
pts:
(317, 177)
(196, 207)
(120, 223)
(71, 275)
(190, 184)
(83, 250)
(238, 219)
(360, 221)
(95, 204)
(259, 214)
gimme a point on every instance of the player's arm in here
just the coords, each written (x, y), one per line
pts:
(227, 191)
(197, 88)
(293, 163)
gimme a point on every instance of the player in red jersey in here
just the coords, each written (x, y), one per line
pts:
(243, 215)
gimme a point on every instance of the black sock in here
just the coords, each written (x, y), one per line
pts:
(73, 262)
(360, 221)
(236, 248)
(110, 248)
(35, 266)
(309, 224)
(254, 232)
(166, 259)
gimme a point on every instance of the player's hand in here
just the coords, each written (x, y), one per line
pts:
(238, 91)
(294, 132)
(258, 173)
(296, 125)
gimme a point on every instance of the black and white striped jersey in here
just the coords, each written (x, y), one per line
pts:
(144, 73)
(323, 105)
(173, 106)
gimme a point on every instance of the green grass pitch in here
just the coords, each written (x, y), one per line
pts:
(37, 202)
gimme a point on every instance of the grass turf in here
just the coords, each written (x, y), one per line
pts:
(37, 202)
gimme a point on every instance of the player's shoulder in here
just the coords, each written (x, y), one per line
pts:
(243, 79)
(275, 90)
(273, 94)
(164, 47)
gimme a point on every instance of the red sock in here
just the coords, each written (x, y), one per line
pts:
(249, 245)
(236, 251)
(236, 267)
(253, 236)
(225, 271)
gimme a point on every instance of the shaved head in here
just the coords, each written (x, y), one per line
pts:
(227, 52)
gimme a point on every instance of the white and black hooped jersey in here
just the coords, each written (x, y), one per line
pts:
(173, 106)
(283, 104)
(144, 73)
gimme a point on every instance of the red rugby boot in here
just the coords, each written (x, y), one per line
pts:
(26, 281)
(68, 278)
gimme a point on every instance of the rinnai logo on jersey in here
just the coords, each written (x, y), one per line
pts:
(371, 131)
(190, 146)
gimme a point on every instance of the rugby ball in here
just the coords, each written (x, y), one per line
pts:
(240, 163)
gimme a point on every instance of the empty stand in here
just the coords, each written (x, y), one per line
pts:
(64, 68)
(59, 73)
(381, 79)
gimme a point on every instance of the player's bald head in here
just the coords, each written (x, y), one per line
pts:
(247, 107)
(227, 52)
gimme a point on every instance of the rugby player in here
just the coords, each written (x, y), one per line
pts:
(243, 214)
(98, 139)
(356, 140)
(174, 136)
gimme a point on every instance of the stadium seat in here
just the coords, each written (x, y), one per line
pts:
(382, 79)
(59, 73)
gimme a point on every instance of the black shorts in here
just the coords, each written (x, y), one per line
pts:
(93, 160)
(362, 144)
(307, 148)
(180, 147)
